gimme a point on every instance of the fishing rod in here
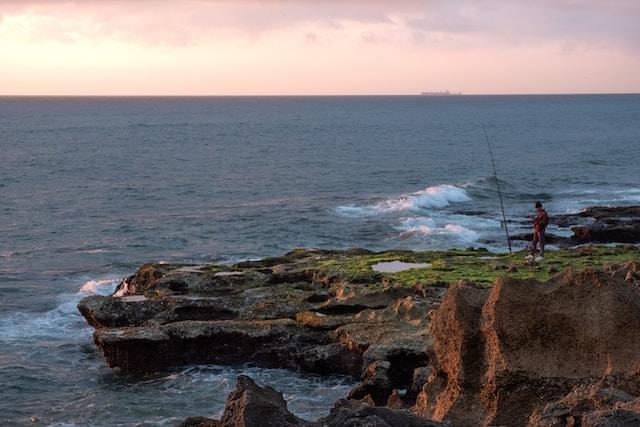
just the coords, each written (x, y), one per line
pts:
(495, 174)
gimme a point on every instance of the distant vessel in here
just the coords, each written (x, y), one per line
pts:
(441, 93)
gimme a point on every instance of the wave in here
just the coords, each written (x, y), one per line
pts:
(435, 197)
(420, 226)
(96, 286)
(64, 321)
(574, 200)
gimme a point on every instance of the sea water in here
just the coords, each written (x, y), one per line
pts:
(90, 188)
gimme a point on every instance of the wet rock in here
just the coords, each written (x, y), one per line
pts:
(250, 405)
(549, 238)
(330, 359)
(376, 383)
(607, 212)
(603, 225)
(354, 413)
(594, 225)
(268, 343)
(106, 312)
(607, 233)
(199, 422)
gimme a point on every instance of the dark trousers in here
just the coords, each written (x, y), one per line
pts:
(538, 237)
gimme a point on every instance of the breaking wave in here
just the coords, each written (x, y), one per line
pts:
(411, 227)
(62, 321)
(435, 197)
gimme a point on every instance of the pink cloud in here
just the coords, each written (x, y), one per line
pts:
(612, 23)
(334, 46)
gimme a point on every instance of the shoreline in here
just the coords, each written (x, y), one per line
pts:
(462, 336)
(325, 312)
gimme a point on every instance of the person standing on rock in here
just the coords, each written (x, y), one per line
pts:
(540, 222)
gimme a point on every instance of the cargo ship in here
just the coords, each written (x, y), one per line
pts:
(441, 93)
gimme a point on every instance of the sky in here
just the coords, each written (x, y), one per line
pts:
(305, 47)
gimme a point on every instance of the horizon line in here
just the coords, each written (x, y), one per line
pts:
(419, 95)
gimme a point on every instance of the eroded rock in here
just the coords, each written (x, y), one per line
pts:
(593, 405)
(502, 354)
(251, 405)
(469, 354)
(354, 413)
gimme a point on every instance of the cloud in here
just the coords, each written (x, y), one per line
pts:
(305, 46)
(189, 21)
(610, 24)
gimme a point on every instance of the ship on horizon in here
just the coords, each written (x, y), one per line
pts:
(440, 93)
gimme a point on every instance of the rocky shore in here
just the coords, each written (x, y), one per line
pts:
(596, 224)
(470, 339)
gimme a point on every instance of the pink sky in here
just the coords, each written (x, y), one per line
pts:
(298, 47)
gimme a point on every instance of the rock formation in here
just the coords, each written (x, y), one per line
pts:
(595, 225)
(250, 405)
(500, 355)
(510, 352)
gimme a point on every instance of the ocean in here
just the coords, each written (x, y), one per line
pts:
(90, 188)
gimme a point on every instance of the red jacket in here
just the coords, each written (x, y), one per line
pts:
(541, 220)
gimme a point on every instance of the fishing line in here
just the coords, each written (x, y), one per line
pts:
(495, 174)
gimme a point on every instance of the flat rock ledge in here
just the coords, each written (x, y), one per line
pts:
(564, 351)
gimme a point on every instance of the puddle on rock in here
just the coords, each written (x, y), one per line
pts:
(396, 266)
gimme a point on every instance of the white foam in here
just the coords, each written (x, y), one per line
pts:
(64, 321)
(435, 197)
(462, 232)
(427, 226)
(96, 286)
(123, 290)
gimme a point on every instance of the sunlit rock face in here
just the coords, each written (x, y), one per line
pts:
(503, 354)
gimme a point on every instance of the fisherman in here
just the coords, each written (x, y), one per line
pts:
(540, 222)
